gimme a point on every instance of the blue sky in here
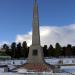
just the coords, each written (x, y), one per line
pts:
(16, 16)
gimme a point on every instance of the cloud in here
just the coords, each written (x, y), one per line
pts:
(51, 35)
(4, 42)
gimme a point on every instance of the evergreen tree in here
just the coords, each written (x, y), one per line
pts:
(63, 51)
(24, 50)
(13, 50)
(51, 51)
(6, 48)
(57, 50)
(73, 50)
(18, 50)
(45, 51)
(69, 50)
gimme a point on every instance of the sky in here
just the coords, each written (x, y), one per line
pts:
(56, 20)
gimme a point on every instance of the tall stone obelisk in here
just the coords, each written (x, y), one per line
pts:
(35, 61)
(35, 52)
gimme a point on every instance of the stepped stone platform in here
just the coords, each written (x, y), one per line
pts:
(37, 67)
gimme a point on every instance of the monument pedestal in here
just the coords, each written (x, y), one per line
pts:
(35, 61)
(35, 54)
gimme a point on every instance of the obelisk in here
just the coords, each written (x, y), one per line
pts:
(35, 51)
(35, 60)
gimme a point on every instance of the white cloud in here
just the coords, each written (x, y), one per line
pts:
(52, 34)
(3, 42)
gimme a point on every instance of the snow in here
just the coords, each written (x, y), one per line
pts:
(32, 73)
(12, 64)
(68, 69)
(65, 60)
(22, 71)
(1, 69)
(48, 60)
(6, 73)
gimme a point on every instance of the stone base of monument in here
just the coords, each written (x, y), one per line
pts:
(29, 67)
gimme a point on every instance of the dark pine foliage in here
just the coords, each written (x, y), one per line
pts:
(21, 50)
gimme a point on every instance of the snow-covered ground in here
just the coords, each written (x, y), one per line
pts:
(36, 73)
(68, 69)
(48, 60)
(65, 60)
(6, 73)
